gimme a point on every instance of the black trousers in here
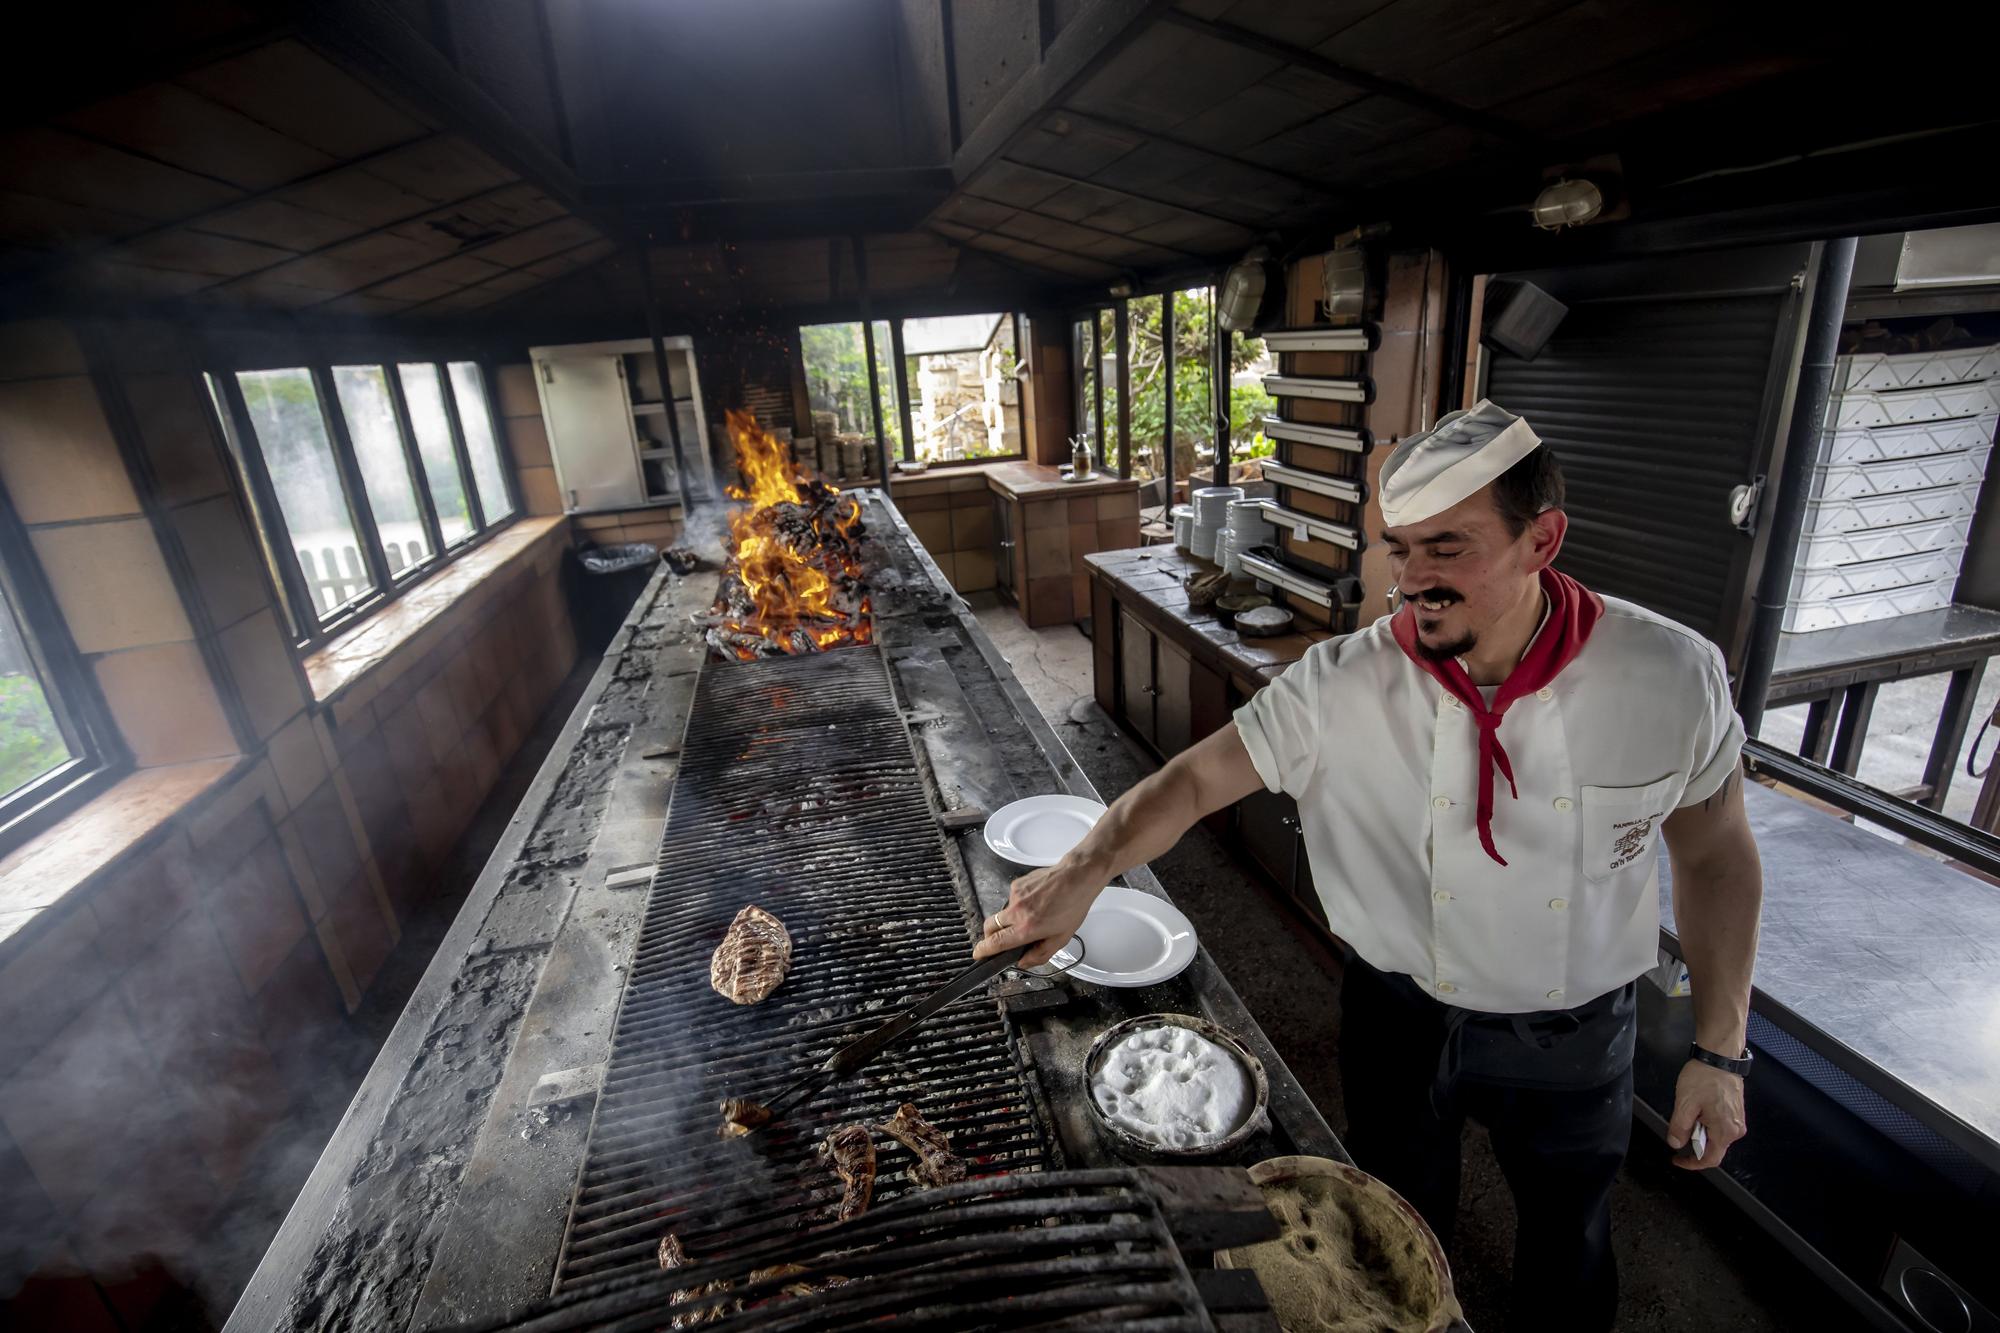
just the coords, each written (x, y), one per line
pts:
(1553, 1089)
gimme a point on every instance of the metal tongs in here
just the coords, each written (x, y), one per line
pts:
(855, 1056)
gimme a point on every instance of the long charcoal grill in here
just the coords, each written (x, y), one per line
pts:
(798, 790)
(1073, 1250)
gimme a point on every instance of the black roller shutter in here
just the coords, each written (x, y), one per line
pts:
(1660, 393)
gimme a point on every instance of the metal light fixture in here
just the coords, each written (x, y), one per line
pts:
(1566, 203)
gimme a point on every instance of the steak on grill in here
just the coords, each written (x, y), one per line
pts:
(753, 957)
(851, 1153)
(936, 1164)
(672, 1256)
(742, 1116)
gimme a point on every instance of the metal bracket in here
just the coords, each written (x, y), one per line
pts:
(1744, 502)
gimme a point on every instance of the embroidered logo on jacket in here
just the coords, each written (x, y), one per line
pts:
(1631, 842)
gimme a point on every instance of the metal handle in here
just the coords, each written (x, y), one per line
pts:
(848, 1059)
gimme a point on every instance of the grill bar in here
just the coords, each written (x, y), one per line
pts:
(799, 791)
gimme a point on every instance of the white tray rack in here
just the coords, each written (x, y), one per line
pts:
(1906, 406)
(1875, 444)
(1278, 576)
(1861, 608)
(1859, 513)
(1352, 439)
(1334, 488)
(1810, 586)
(1326, 388)
(1312, 525)
(1323, 338)
(1830, 550)
(1909, 370)
(1847, 481)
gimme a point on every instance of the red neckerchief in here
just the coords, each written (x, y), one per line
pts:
(1573, 613)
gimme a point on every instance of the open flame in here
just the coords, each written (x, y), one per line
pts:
(793, 581)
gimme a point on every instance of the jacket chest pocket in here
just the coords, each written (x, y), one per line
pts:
(1621, 826)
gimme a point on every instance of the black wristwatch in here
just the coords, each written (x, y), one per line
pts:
(1739, 1066)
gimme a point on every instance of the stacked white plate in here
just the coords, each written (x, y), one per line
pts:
(1211, 518)
(1249, 527)
(1183, 516)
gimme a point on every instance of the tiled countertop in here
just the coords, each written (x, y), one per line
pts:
(1148, 581)
(1012, 478)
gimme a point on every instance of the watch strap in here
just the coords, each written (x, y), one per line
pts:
(1740, 1066)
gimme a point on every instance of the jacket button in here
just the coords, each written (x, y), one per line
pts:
(1565, 804)
(1558, 904)
(1446, 988)
(1545, 694)
(1442, 803)
(1556, 994)
(1441, 896)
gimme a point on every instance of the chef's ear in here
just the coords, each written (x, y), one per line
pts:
(1545, 534)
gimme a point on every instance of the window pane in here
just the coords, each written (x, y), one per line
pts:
(291, 434)
(426, 399)
(1249, 363)
(469, 392)
(965, 401)
(1194, 405)
(1149, 390)
(836, 362)
(385, 470)
(31, 743)
(1107, 380)
(297, 619)
(1084, 338)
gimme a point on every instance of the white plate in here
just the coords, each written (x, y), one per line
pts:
(1041, 829)
(1131, 939)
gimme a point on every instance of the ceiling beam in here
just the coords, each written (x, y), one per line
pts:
(558, 277)
(1079, 51)
(1090, 119)
(785, 187)
(435, 260)
(1124, 193)
(1443, 108)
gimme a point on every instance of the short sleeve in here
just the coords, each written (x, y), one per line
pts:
(1717, 746)
(1281, 724)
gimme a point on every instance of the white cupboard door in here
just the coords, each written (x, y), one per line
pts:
(586, 406)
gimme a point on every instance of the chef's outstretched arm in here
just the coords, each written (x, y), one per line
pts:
(1718, 893)
(1046, 906)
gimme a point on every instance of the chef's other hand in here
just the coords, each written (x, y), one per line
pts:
(1044, 908)
(1714, 1098)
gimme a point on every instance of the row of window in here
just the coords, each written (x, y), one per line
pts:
(1169, 370)
(361, 476)
(963, 400)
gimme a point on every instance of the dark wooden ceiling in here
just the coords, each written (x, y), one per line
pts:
(444, 160)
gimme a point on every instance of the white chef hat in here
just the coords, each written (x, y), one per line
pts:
(1429, 472)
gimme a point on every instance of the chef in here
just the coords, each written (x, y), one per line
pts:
(1483, 778)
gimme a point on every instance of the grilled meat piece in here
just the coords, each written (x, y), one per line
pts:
(753, 957)
(742, 1116)
(851, 1153)
(936, 1164)
(673, 1255)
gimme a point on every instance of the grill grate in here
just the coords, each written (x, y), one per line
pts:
(1082, 1250)
(799, 791)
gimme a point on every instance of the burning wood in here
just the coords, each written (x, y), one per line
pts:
(793, 580)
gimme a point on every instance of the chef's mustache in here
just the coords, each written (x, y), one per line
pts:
(1448, 596)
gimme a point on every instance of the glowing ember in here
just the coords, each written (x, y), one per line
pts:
(793, 582)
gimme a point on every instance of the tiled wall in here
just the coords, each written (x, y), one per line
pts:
(528, 439)
(1055, 535)
(952, 515)
(176, 1032)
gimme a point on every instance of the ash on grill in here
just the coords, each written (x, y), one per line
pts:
(793, 582)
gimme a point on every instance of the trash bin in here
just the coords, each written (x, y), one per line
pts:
(607, 580)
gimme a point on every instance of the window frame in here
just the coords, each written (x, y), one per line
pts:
(308, 629)
(99, 757)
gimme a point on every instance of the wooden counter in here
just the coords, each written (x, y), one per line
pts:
(1020, 528)
(1171, 674)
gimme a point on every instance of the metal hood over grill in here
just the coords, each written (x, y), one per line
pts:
(798, 791)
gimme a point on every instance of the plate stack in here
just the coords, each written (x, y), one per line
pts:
(1183, 516)
(1248, 527)
(1211, 519)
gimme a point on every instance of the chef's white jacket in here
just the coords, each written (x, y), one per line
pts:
(1384, 766)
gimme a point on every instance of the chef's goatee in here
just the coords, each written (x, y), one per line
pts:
(1429, 472)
